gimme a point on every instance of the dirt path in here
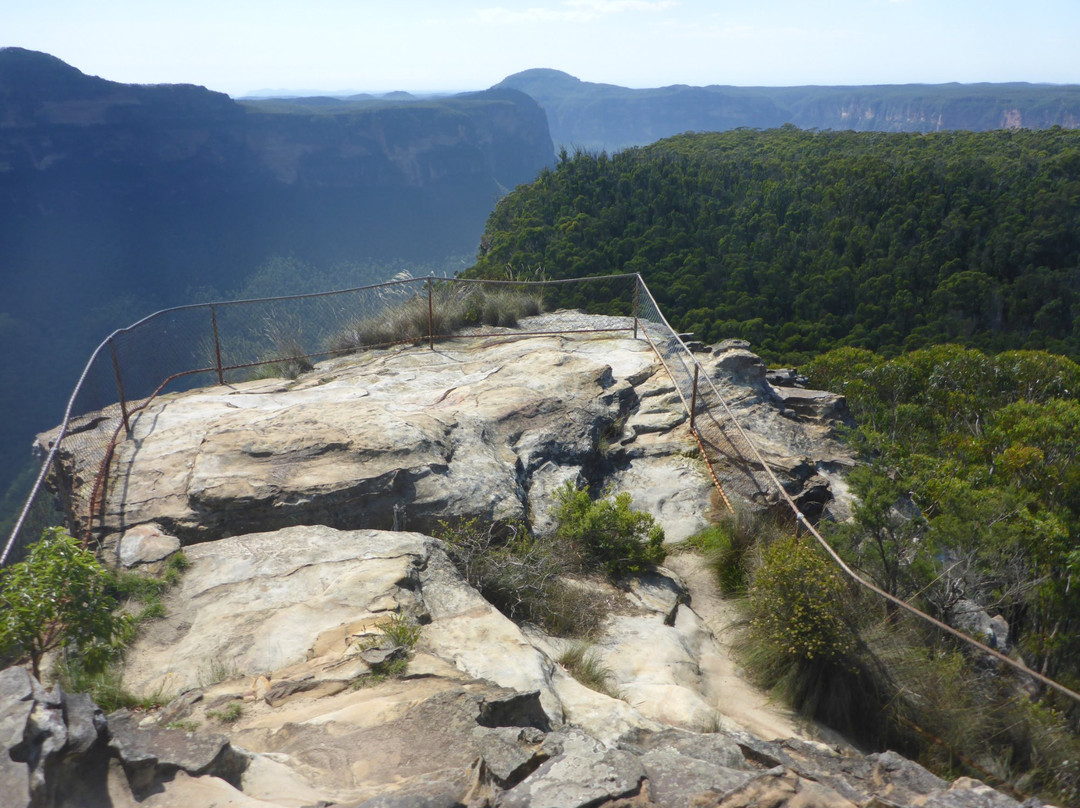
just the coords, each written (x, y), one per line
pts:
(742, 704)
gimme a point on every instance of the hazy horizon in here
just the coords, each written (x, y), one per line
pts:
(243, 47)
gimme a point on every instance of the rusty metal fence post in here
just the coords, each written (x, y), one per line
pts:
(693, 397)
(217, 345)
(430, 316)
(637, 300)
(119, 384)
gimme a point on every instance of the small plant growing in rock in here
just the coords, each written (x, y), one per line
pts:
(607, 532)
(399, 636)
(230, 714)
(60, 597)
(401, 631)
(582, 662)
(185, 726)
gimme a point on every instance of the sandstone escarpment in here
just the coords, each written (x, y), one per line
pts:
(305, 505)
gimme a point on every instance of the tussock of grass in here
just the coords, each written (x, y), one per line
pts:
(582, 662)
(452, 307)
(401, 631)
(732, 547)
(229, 714)
(104, 686)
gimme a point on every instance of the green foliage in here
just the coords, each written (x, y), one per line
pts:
(806, 241)
(731, 546)
(803, 641)
(797, 599)
(971, 491)
(139, 598)
(59, 597)
(608, 532)
(401, 631)
(230, 714)
(184, 726)
(972, 488)
(104, 684)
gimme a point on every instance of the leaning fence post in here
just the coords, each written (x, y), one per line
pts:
(693, 397)
(637, 300)
(430, 317)
(217, 345)
(119, 385)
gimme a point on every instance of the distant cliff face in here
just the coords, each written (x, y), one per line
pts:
(604, 116)
(118, 199)
(184, 180)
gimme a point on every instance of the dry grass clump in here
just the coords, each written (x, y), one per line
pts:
(582, 662)
(452, 307)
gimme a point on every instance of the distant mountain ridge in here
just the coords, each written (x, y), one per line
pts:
(608, 117)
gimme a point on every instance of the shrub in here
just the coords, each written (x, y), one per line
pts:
(608, 532)
(60, 597)
(796, 598)
(802, 640)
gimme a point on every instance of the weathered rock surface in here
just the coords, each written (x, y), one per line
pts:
(278, 638)
(483, 427)
(426, 740)
(792, 428)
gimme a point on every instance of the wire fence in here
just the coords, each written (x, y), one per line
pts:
(225, 343)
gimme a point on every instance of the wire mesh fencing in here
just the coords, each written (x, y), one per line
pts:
(230, 342)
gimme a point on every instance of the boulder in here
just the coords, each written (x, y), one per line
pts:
(145, 544)
(969, 617)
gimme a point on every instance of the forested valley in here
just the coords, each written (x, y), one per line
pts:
(805, 241)
(935, 281)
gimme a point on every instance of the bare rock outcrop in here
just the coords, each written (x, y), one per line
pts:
(485, 427)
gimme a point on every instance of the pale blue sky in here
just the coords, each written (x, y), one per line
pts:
(241, 45)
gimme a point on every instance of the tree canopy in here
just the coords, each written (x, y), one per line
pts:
(806, 241)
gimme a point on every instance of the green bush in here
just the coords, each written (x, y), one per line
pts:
(803, 642)
(797, 600)
(607, 532)
(60, 597)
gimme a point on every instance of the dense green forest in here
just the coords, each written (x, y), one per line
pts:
(968, 505)
(806, 241)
